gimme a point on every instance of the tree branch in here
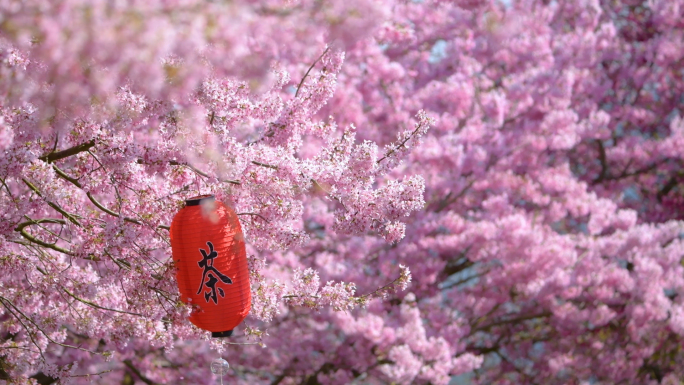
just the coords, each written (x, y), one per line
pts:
(53, 156)
(197, 171)
(254, 214)
(264, 165)
(605, 173)
(20, 228)
(5, 303)
(53, 205)
(671, 184)
(93, 304)
(135, 370)
(99, 205)
(91, 374)
(511, 321)
(299, 86)
(402, 144)
(448, 199)
(604, 163)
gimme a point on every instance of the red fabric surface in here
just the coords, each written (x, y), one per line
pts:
(191, 230)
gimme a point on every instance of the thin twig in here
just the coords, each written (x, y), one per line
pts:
(185, 188)
(8, 190)
(123, 264)
(299, 87)
(264, 165)
(20, 228)
(162, 293)
(48, 230)
(448, 200)
(300, 296)
(53, 205)
(3, 300)
(402, 144)
(241, 343)
(512, 320)
(28, 331)
(90, 374)
(254, 214)
(97, 204)
(19, 347)
(93, 304)
(110, 212)
(197, 171)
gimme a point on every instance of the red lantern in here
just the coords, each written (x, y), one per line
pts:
(209, 252)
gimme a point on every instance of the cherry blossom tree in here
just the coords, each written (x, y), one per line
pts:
(113, 112)
(428, 189)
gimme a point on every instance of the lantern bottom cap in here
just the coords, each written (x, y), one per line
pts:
(227, 333)
(197, 200)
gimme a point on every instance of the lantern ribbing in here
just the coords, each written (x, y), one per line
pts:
(212, 273)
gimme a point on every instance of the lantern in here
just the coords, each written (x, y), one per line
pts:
(211, 264)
